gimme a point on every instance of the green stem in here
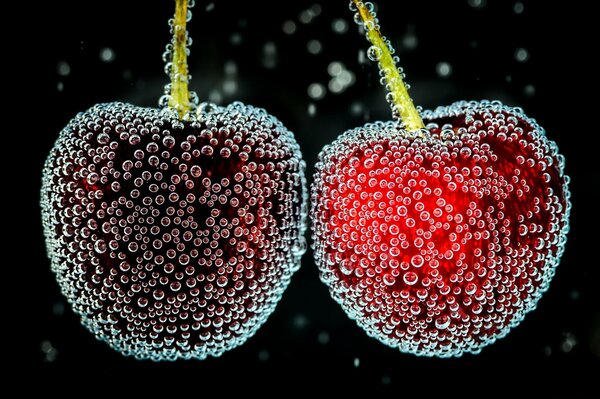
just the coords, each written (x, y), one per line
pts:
(400, 101)
(180, 95)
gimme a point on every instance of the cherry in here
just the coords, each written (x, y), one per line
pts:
(173, 232)
(439, 235)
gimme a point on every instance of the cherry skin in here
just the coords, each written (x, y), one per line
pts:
(438, 242)
(174, 239)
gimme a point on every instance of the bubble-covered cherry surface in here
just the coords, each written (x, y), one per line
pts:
(439, 242)
(174, 239)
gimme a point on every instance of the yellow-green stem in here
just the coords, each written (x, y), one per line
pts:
(180, 95)
(400, 98)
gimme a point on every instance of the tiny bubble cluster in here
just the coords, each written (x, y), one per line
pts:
(341, 77)
(174, 239)
(439, 242)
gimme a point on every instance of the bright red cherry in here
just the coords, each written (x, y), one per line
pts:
(438, 238)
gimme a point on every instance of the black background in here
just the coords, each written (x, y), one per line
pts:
(309, 343)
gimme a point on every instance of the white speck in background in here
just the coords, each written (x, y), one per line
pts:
(215, 96)
(107, 55)
(574, 295)
(63, 68)
(518, 7)
(49, 351)
(236, 39)
(341, 78)
(362, 57)
(305, 17)
(289, 27)
(529, 90)
(58, 309)
(316, 91)
(314, 47)
(521, 54)
(357, 108)
(339, 26)
(263, 355)
(477, 3)
(230, 68)
(410, 41)
(300, 321)
(269, 58)
(443, 69)
(229, 87)
(568, 343)
(323, 338)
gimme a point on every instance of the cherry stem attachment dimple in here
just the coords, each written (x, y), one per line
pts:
(400, 101)
(180, 95)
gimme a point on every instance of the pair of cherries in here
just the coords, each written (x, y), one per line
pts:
(174, 232)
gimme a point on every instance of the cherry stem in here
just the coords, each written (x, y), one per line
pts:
(180, 95)
(381, 50)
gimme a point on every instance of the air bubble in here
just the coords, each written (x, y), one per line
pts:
(442, 322)
(417, 261)
(374, 53)
(410, 278)
(196, 171)
(100, 246)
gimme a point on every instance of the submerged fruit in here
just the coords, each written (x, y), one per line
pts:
(170, 238)
(439, 241)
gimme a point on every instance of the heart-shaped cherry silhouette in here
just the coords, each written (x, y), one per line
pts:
(173, 232)
(438, 237)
